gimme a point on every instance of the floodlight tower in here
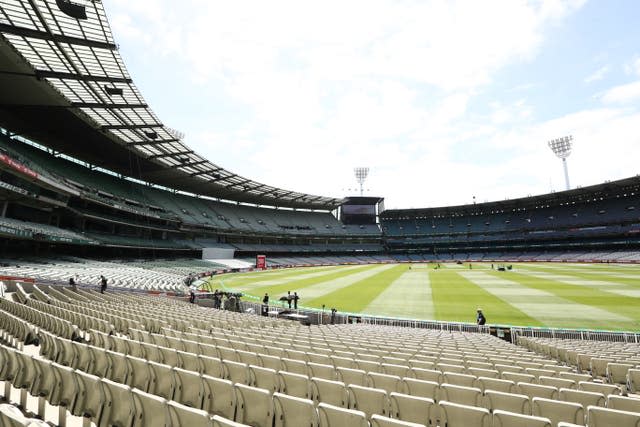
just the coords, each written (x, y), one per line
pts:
(361, 176)
(561, 147)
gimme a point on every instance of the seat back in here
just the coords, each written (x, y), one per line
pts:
(585, 398)
(557, 411)
(633, 380)
(331, 392)
(119, 408)
(603, 417)
(516, 403)
(331, 416)
(412, 408)
(457, 415)
(162, 380)
(236, 372)
(509, 419)
(389, 383)
(292, 411)
(66, 388)
(212, 366)
(189, 361)
(496, 384)
(471, 396)
(352, 376)
(320, 370)
(140, 374)
(294, 384)
(537, 390)
(380, 421)
(151, 410)
(368, 400)
(254, 406)
(91, 397)
(623, 403)
(189, 389)
(219, 397)
(415, 387)
(183, 415)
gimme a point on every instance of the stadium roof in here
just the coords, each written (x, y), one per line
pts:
(619, 188)
(64, 84)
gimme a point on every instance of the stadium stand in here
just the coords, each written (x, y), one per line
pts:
(168, 361)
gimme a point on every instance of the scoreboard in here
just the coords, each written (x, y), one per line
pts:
(361, 210)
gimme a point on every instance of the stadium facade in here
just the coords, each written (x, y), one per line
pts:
(87, 168)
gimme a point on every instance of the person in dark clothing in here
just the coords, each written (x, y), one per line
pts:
(103, 284)
(480, 319)
(72, 283)
(295, 300)
(265, 304)
(192, 296)
(289, 298)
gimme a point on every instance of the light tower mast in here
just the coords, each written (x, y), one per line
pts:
(561, 147)
(361, 176)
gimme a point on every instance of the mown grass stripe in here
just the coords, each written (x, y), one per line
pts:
(544, 306)
(277, 290)
(617, 305)
(614, 276)
(356, 296)
(456, 299)
(409, 296)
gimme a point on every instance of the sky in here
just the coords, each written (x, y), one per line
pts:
(444, 101)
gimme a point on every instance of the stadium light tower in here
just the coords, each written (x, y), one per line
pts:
(361, 176)
(561, 147)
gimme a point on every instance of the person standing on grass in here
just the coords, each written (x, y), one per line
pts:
(295, 300)
(480, 319)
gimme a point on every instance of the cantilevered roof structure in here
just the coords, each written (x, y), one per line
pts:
(63, 84)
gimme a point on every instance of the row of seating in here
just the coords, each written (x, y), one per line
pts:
(190, 388)
(615, 363)
(309, 362)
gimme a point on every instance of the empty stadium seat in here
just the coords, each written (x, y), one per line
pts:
(380, 421)
(254, 406)
(293, 411)
(509, 419)
(585, 398)
(294, 384)
(516, 403)
(352, 376)
(220, 397)
(604, 417)
(119, 405)
(183, 415)
(189, 388)
(331, 392)
(470, 396)
(457, 415)
(420, 410)
(557, 411)
(368, 400)
(333, 416)
(623, 403)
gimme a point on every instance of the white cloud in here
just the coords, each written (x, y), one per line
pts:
(622, 94)
(386, 84)
(633, 67)
(598, 74)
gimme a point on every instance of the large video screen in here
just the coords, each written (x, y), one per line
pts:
(358, 214)
(359, 210)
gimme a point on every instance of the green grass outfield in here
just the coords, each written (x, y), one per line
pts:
(595, 296)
